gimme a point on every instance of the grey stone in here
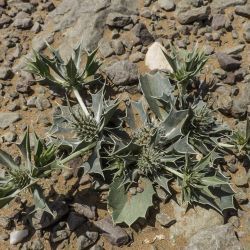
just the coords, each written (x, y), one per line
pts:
(10, 136)
(105, 48)
(141, 32)
(243, 10)
(5, 21)
(235, 50)
(193, 15)
(5, 222)
(165, 220)
(145, 12)
(22, 21)
(122, 73)
(25, 7)
(147, 3)
(42, 103)
(218, 22)
(22, 88)
(7, 119)
(227, 62)
(191, 221)
(75, 220)
(118, 47)
(167, 4)
(219, 5)
(36, 245)
(36, 27)
(240, 196)
(5, 73)
(241, 102)
(49, 6)
(86, 240)
(220, 237)
(96, 247)
(246, 31)
(114, 234)
(136, 57)
(59, 235)
(85, 210)
(3, 3)
(118, 20)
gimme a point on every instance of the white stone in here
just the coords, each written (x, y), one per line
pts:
(18, 236)
(155, 59)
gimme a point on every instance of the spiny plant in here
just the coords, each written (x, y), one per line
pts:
(201, 183)
(69, 75)
(74, 130)
(186, 66)
(166, 156)
(26, 176)
(240, 140)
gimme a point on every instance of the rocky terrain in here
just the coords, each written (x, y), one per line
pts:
(123, 30)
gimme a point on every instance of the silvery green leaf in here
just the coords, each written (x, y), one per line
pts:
(134, 121)
(163, 182)
(39, 199)
(7, 161)
(182, 146)
(128, 209)
(154, 87)
(25, 149)
(94, 165)
(92, 65)
(5, 199)
(171, 127)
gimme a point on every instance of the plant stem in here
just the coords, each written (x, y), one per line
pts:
(80, 101)
(78, 153)
(225, 145)
(174, 172)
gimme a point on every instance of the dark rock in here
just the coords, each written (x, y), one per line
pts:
(75, 220)
(165, 220)
(86, 240)
(167, 5)
(6, 119)
(243, 10)
(43, 219)
(114, 234)
(227, 62)
(122, 73)
(223, 237)
(118, 20)
(141, 31)
(85, 210)
(49, 6)
(5, 73)
(22, 88)
(193, 15)
(218, 22)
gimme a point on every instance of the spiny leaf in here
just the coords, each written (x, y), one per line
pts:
(7, 161)
(128, 209)
(156, 87)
